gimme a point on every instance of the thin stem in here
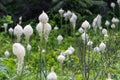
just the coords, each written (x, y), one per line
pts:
(61, 71)
(74, 31)
(61, 23)
(88, 70)
(84, 57)
(66, 27)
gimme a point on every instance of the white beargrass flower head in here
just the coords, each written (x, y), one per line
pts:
(102, 46)
(59, 38)
(65, 16)
(69, 13)
(39, 28)
(6, 53)
(72, 49)
(104, 31)
(115, 20)
(73, 20)
(113, 26)
(29, 47)
(85, 36)
(43, 30)
(68, 52)
(89, 43)
(112, 5)
(5, 25)
(18, 31)
(43, 51)
(94, 24)
(96, 49)
(19, 51)
(107, 23)
(61, 11)
(43, 17)
(56, 27)
(52, 75)
(80, 30)
(10, 31)
(47, 29)
(61, 58)
(85, 25)
(97, 22)
(118, 1)
(28, 31)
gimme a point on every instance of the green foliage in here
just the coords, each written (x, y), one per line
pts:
(80, 6)
(6, 19)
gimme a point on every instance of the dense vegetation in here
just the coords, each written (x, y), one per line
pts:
(79, 42)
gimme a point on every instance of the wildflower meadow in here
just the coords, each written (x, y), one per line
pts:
(61, 45)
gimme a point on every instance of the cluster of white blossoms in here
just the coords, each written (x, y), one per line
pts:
(89, 43)
(73, 20)
(85, 25)
(115, 20)
(69, 51)
(18, 31)
(19, 51)
(83, 30)
(43, 27)
(67, 15)
(97, 22)
(52, 75)
(107, 23)
(6, 53)
(61, 11)
(96, 49)
(101, 47)
(43, 18)
(80, 30)
(112, 5)
(10, 31)
(61, 57)
(59, 38)
(104, 31)
(71, 16)
(56, 27)
(113, 26)
(28, 31)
